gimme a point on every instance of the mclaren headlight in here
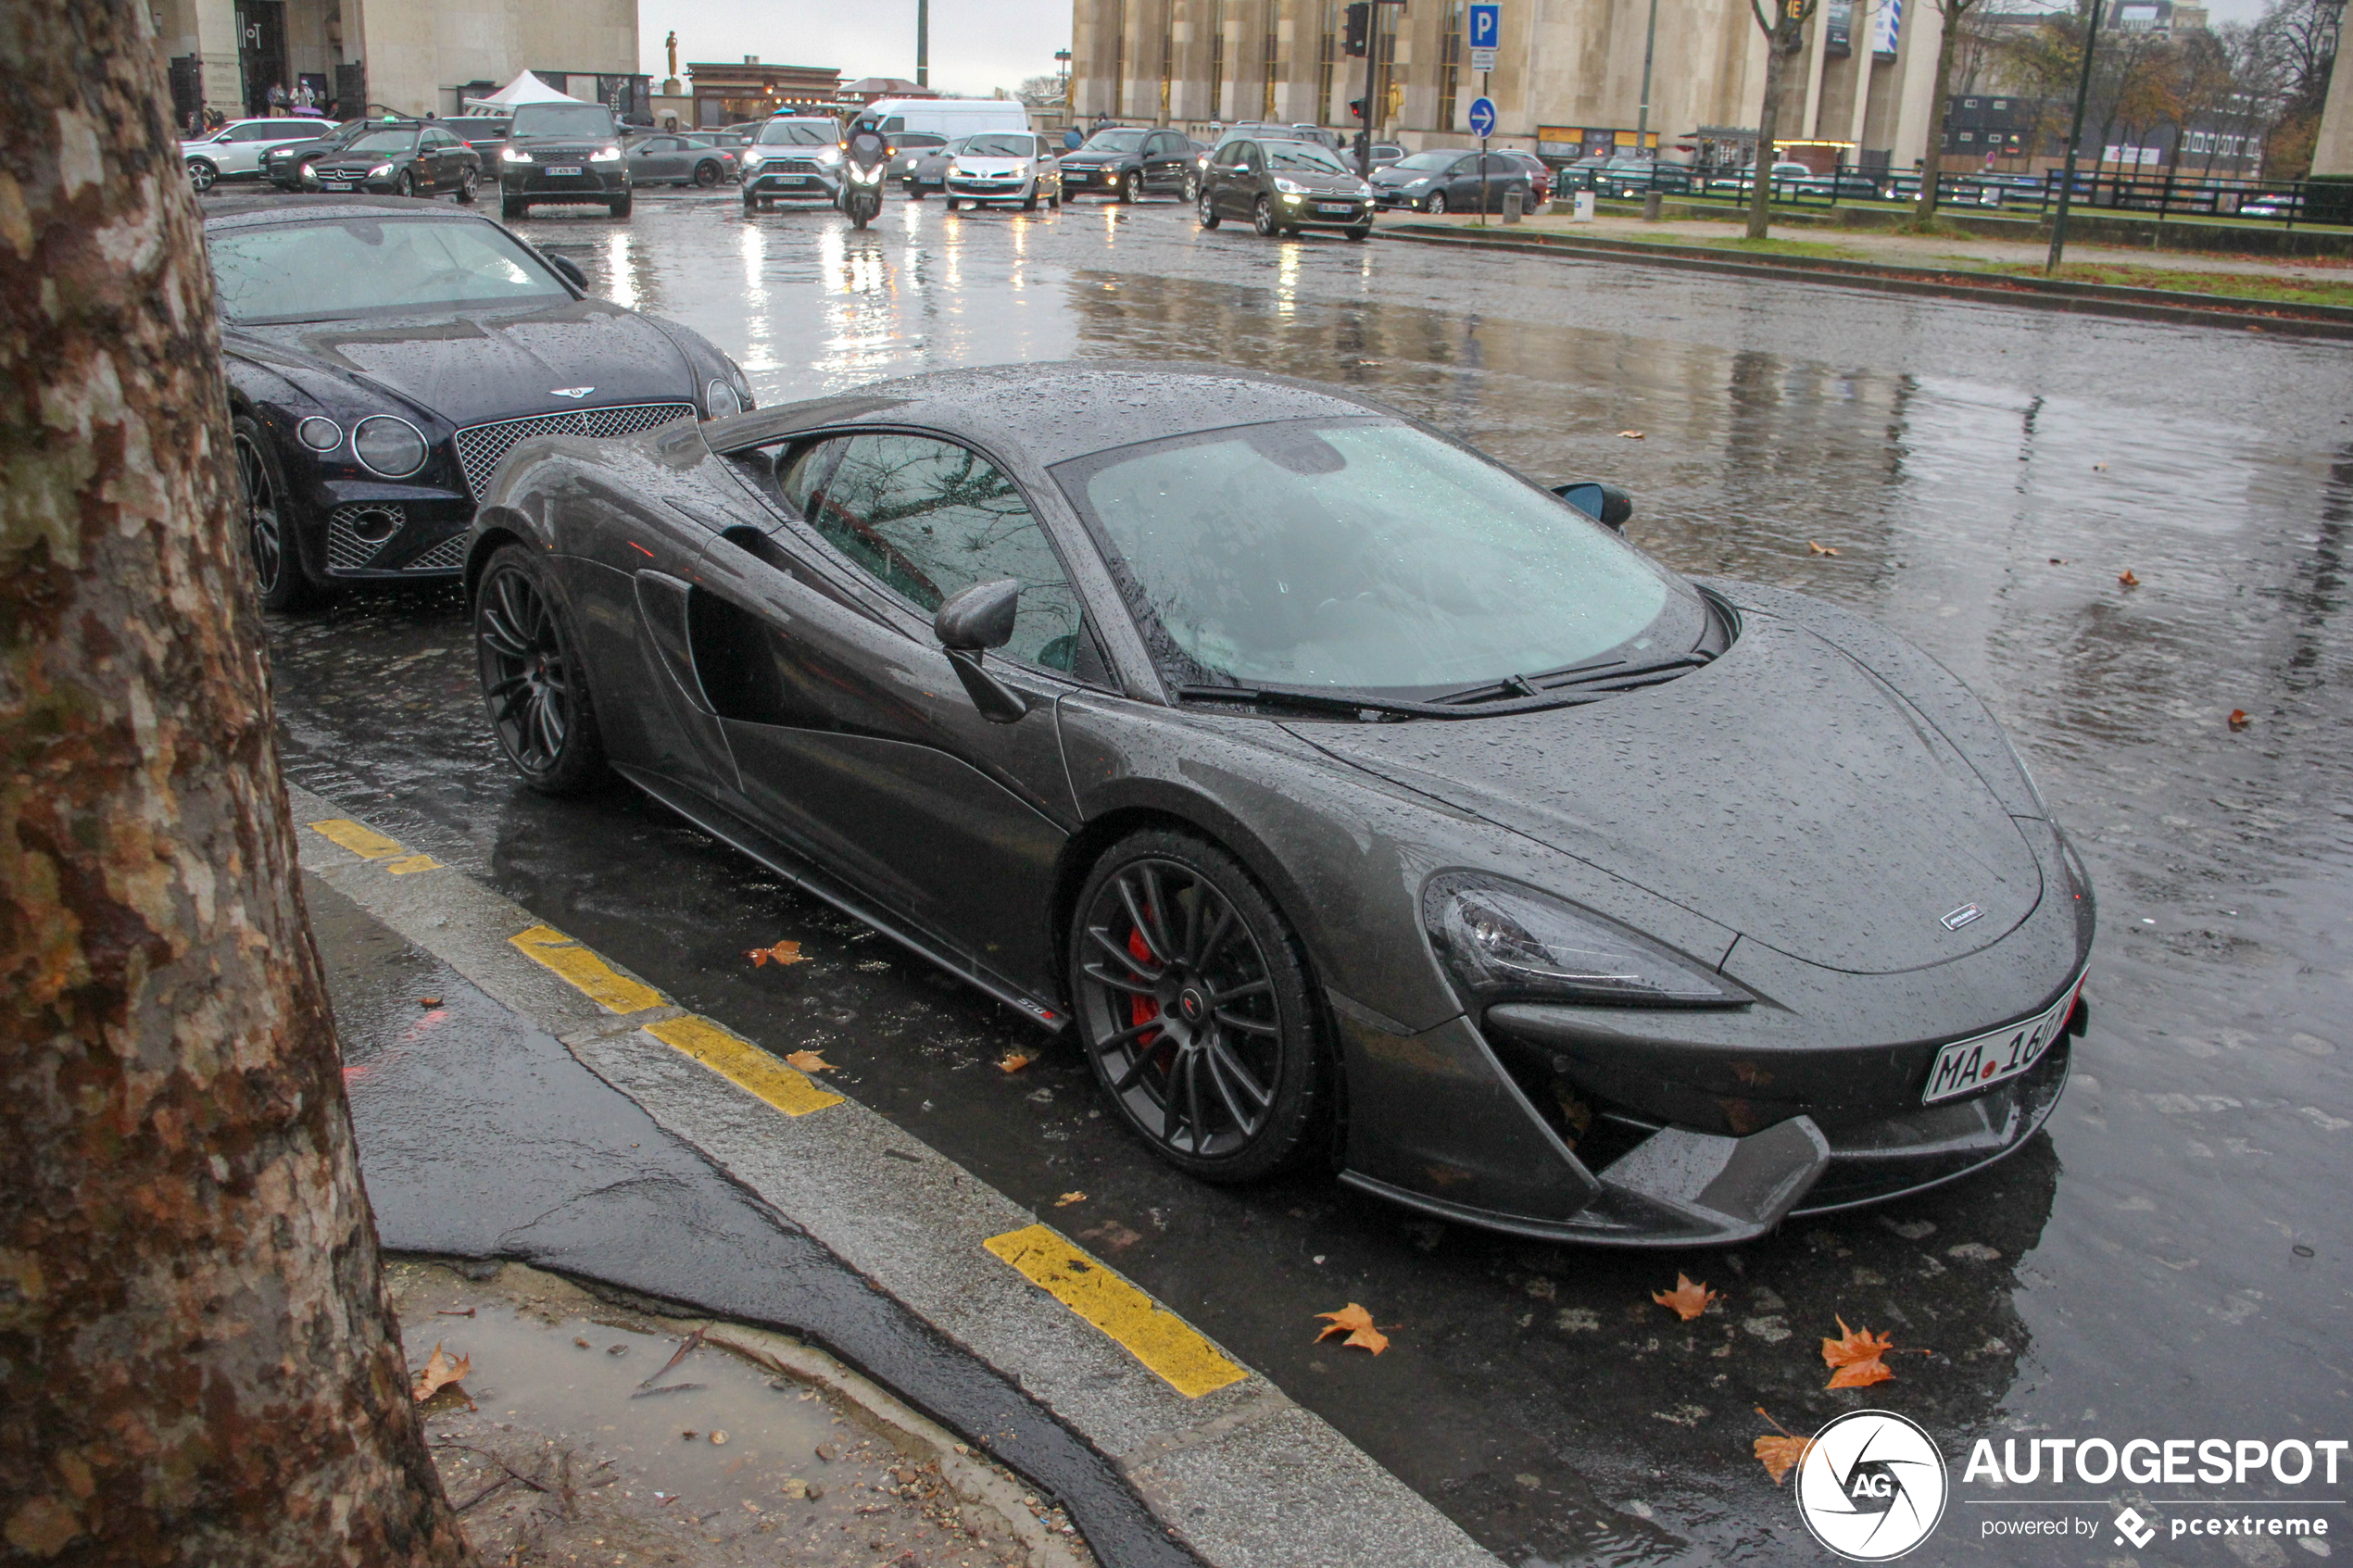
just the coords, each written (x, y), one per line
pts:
(1502, 941)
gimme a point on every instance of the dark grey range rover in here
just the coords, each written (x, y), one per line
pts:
(563, 153)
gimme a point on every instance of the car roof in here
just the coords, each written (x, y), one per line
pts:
(1056, 411)
(257, 211)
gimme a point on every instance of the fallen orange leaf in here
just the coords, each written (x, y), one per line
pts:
(1813, 548)
(2239, 721)
(1013, 1062)
(1632, 435)
(1687, 1300)
(782, 953)
(440, 1372)
(1779, 1454)
(2128, 579)
(1856, 1356)
(428, 1001)
(1357, 1324)
(1066, 1199)
(809, 1062)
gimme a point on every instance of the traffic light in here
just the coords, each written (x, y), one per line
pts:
(1357, 108)
(1356, 25)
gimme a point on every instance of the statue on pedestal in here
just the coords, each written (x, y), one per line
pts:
(669, 88)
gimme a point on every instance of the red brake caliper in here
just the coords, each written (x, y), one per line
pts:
(1142, 1010)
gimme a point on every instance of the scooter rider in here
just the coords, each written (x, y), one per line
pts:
(867, 145)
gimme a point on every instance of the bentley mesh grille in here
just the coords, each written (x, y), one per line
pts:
(356, 532)
(481, 446)
(447, 556)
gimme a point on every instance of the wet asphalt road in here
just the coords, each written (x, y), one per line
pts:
(2171, 1258)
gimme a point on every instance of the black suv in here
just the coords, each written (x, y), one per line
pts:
(1127, 161)
(563, 153)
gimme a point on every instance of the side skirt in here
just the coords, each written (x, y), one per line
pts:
(794, 868)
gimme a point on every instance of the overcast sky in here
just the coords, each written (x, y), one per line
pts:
(976, 45)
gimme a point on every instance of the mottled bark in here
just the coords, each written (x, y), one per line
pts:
(199, 1362)
(1950, 15)
(1783, 23)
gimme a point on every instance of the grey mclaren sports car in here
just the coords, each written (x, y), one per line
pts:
(1342, 794)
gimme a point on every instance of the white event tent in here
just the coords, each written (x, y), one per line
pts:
(524, 88)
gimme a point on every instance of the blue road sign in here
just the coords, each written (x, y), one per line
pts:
(1486, 26)
(1482, 117)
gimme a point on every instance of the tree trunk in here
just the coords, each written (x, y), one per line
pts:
(1949, 13)
(201, 1363)
(1769, 119)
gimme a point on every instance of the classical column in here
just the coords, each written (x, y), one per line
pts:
(2332, 151)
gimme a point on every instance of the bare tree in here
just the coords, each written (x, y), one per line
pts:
(202, 1365)
(1953, 18)
(1784, 29)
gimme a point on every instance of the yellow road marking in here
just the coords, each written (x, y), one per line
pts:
(1149, 1331)
(366, 843)
(594, 978)
(408, 863)
(744, 1064)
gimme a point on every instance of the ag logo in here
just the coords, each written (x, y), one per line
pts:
(1872, 1486)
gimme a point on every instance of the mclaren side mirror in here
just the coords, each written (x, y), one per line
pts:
(979, 617)
(571, 271)
(1605, 503)
(972, 621)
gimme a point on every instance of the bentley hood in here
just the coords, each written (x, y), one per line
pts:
(1784, 791)
(490, 365)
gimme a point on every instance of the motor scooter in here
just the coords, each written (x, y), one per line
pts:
(862, 194)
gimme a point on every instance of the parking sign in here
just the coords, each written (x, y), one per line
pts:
(1486, 26)
(1482, 117)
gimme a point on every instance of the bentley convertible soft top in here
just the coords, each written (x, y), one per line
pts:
(1341, 792)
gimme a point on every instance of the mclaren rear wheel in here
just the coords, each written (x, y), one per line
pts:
(533, 680)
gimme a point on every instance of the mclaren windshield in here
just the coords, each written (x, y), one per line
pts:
(1371, 556)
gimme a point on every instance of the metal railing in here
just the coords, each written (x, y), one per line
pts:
(2176, 195)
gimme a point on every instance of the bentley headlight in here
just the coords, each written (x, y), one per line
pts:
(1500, 941)
(318, 434)
(719, 400)
(513, 155)
(389, 445)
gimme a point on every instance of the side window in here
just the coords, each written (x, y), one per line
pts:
(1252, 158)
(928, 519)
(801, 469)
(896, 122)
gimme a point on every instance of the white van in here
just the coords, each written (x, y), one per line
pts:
(949, 117)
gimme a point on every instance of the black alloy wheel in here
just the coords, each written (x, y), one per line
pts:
(706, 174)
(1208, 210)
(1131, 187)
(261, 493)
(1194, 1009)
(1262, 217)
(469, 183)
(404, 183)
(1435, 206)
(532, 678)
(1192, 184)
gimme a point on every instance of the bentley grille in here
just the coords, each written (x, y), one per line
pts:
(481, 446)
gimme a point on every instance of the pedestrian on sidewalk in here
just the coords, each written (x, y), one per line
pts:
(278, 100)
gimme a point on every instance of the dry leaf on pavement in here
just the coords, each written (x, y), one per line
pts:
(1687, 1300)
(1856, 1356)
(428, 1001)
(782, 953)
(1013, 1062)
(441, 1370)
(1779, 1454)
(1357, 1324)
(1066, 1199)
(809, 1062)
(1632, 435)
(2126, 578)
(2239, 721)
(1813, 548)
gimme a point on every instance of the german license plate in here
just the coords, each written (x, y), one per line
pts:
(335, 184)
(1975, 1064)
(563, 168)
(1334, 210)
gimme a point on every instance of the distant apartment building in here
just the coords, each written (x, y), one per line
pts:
(416, 57)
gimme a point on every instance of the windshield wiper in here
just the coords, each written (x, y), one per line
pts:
(1576, 676)
(1357, 704)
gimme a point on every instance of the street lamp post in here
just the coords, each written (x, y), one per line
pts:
(923, 43)
(2074, 138)
(1643, 118)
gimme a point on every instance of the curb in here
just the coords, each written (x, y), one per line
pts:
(1217, 1454)
(2094, 299)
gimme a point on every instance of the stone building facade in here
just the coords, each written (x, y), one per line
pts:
(417, 56)
(1568, 75)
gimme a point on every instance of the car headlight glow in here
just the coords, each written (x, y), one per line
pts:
(829, 155)
(1501, 940)
(1289, 187)
(604, 155)
(380, 172)
(956, 172)
(389, 445)
(318, 434)
(513, 155)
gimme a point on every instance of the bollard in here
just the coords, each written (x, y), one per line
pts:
(1653, 207)
(1511, 207)
(1584, 213)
